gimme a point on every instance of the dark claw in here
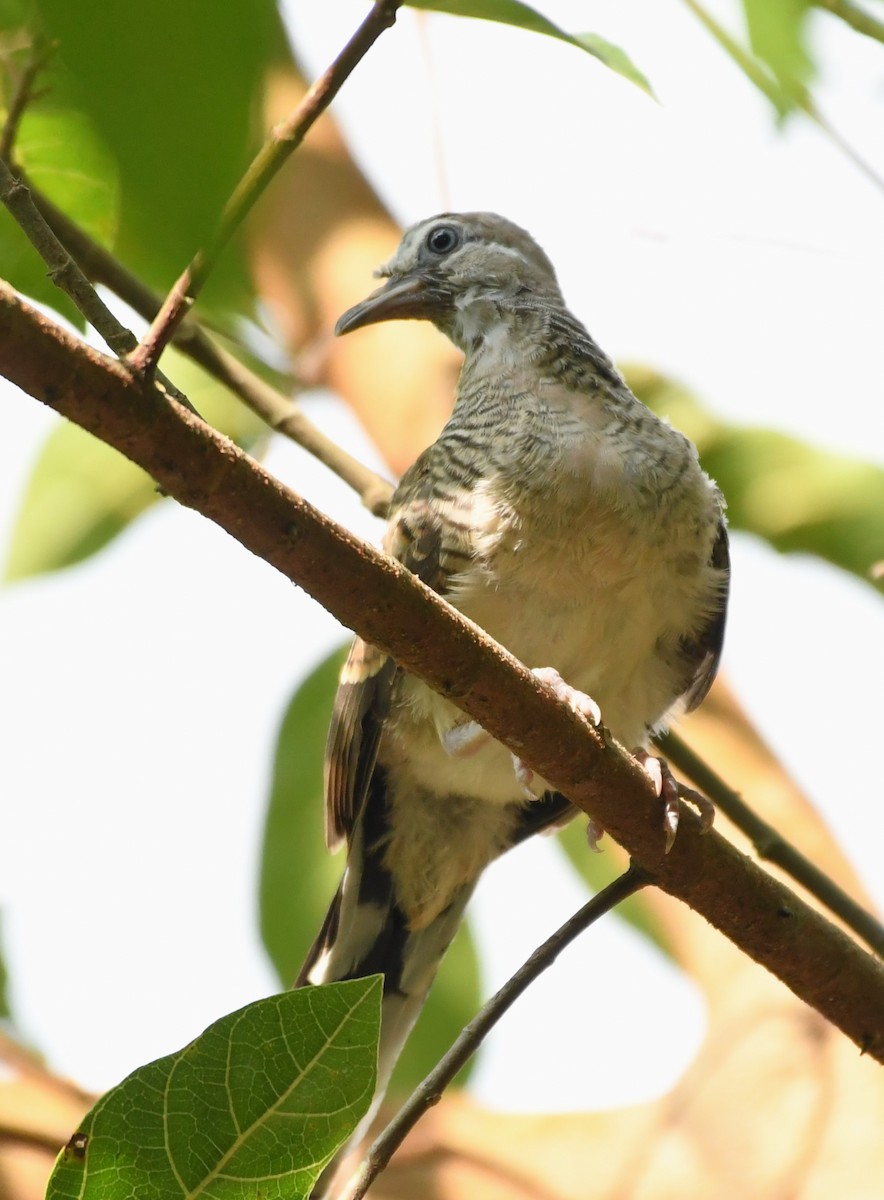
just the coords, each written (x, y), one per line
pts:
(671, 790)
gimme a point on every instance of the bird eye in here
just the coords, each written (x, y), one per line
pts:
(443, 239)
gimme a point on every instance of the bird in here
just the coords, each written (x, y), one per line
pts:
(579, 530)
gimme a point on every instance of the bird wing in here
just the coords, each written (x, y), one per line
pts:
(415, 537)
(361, 704)
(703, 653)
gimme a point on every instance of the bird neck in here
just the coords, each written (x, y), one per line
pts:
(495, 331)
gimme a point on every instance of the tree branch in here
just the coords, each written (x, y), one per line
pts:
(389, 607)
(854, 16)
(281, 413)
(429, 1092)
(64, 272)
(283, 141)
(772, 846)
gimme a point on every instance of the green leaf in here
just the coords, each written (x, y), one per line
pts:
(175, 102)
(776, 35)
(758, 74)
(299, 877)
(255, 1106)
(59, 149)
(63, 155)
(82, 494)
(522, 16)
(796, 496)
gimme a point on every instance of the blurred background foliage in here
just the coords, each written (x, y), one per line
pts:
(125, 172)
(201, 85)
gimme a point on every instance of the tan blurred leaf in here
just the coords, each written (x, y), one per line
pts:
(317, 237)
(777, 1103)
(38, 1113)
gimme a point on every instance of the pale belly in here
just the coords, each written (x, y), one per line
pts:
(606, 629)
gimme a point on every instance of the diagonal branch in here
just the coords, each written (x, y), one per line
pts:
(283, 141)
(281, 413)
(772, 846)
(429, 1092)
(65, 274)
(389, 607)
(854, 16)
(63, 271)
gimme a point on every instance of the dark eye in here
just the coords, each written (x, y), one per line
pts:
(443, 239)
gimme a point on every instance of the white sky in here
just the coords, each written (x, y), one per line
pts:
(140, 693)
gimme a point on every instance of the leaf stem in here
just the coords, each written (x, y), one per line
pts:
(772, 846)
(857, 18)
(784, 99)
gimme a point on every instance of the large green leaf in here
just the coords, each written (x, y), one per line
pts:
(522, 16)
(64, 156)
(298, 877)
(174, 97)
(796, 496)
(755, 71)
(82, 493)
(777, 37)
(62, 153)
(255, 1106)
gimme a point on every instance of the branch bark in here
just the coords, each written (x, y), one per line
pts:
(389, 607)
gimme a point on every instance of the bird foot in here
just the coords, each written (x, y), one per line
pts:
(464, 740)
(671, 790)
(576, 700)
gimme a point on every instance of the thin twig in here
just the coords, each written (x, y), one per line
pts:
(283, 141)
(429, 1092)
(856, 18)
(280, 412)
(772, 846)
(63, 271)
(781, 98)
(66, 275)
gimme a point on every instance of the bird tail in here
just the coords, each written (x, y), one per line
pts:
(365, 932)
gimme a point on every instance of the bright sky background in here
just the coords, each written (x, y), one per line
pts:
(140, 693)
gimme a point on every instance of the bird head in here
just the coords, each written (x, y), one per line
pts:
(450, 268)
